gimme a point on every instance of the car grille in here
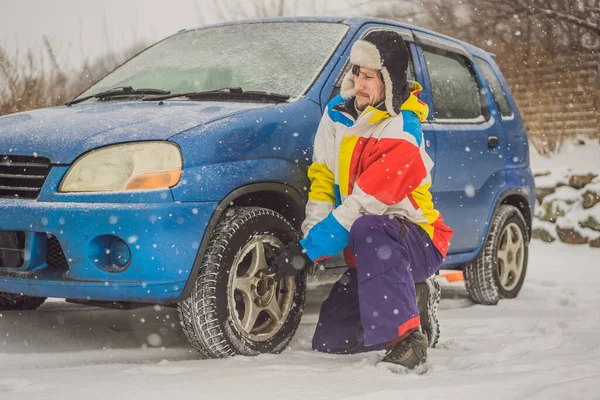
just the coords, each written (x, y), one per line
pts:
(55, 257)
(22, 176)
(12, 249)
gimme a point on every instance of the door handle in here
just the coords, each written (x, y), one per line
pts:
(493, 141)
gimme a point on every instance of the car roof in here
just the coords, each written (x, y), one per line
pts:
(358, 21)
(354, 22)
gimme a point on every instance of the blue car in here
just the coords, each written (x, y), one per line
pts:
(179, 176)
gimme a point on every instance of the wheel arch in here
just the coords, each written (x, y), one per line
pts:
(518, 199)
(278, 197)
(512, 197)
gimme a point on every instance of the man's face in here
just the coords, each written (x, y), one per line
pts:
(370, 89)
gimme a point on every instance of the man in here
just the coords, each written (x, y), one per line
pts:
(370, 198)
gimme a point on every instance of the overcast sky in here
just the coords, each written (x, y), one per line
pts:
(89, 28)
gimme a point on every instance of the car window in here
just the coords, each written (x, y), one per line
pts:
(282, 57)
(455, 92)
(495, 87)
(410, 73)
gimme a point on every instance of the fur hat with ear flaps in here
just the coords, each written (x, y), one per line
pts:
(387, 52)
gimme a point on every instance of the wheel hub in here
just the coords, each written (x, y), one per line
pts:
(263, 290)
(259, 306)
(511, 256)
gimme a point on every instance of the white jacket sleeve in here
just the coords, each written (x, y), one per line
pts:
(321, 198)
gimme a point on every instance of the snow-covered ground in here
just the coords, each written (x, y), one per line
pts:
(576, 156)
(543, 345)
(580, 156)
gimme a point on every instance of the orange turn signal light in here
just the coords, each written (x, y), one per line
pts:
(154, 180)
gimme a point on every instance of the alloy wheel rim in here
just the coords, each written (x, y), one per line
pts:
(258, 305)
(511, 256)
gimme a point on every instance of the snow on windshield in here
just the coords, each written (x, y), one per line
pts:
(279, 58)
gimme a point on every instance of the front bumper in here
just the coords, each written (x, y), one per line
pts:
(163, 239)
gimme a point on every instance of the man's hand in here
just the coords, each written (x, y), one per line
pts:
(290, 262)
(325, 239)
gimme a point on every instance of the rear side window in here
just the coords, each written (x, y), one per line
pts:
(495, 86)
(456, 94)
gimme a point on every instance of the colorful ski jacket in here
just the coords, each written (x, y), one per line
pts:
(374, 164)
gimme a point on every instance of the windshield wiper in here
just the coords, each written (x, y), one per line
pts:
(120, 91)
(234, 93)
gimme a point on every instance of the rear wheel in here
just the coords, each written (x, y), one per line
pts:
(9, 301)
(236, 307)
(499, 270)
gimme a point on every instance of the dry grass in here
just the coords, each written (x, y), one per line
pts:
(37, 80)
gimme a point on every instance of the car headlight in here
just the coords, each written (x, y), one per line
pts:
(123, 167)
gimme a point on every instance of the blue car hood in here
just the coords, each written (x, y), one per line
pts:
(63, 133)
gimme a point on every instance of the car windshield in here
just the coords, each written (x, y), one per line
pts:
(277, 57)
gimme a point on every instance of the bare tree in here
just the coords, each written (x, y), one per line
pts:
(233, 10)
(509, 26)
(548, 26)
(38, 80)
(577, 13)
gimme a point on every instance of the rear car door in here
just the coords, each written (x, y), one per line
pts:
(469, 165)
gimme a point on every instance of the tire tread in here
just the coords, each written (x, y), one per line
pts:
(479, 273)
(198, 313)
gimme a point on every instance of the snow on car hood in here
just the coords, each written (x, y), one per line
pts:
(63, 133)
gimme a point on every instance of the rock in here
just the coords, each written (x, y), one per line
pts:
(579, 181)
(542, 192)
(558, 204)
(570, 231)
(555, 179)
(552, 210)
(542, 234)
(595, 243)
(544, 231)
(540, 213)
(566, 194)
(590, 223)
(570, 236)
(590, 198)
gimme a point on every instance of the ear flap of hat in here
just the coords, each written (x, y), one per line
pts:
(395, 86)
(347, 90)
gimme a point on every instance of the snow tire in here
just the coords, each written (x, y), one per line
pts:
(207, 317)
(482, 275)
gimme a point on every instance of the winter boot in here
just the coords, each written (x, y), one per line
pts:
(409, 352)
(428, 300)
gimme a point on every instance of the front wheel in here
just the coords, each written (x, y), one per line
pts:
(499, 269)
(236, 307)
